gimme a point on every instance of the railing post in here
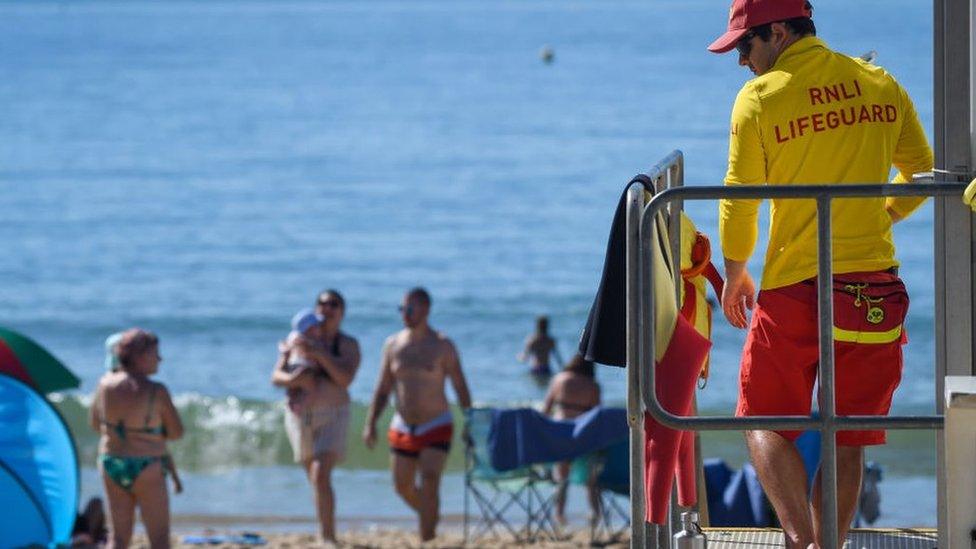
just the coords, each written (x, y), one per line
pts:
(675, 180)
(635, 414)
(657, 535)
(645, 305)
(828, 441)
(955, 262)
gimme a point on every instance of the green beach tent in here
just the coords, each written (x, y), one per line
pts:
(22, 358)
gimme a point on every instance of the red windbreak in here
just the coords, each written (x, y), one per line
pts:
(10, 365)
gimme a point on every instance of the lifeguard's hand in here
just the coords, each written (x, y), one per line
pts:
(369, 436)
(739, 293)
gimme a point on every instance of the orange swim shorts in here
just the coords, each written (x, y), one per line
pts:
(781, 353)
(409, 440)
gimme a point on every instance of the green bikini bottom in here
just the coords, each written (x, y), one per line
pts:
(123, 470)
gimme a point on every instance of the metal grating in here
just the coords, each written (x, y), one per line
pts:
(902, 538)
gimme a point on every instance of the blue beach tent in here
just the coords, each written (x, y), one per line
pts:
(38, 469)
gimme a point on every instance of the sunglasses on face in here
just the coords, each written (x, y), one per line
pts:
(405, 309)
(330, 303)
(744, 45)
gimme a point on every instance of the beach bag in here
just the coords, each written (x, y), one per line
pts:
(869, 312)
(697, 273)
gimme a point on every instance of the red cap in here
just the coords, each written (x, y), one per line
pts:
(746, 14)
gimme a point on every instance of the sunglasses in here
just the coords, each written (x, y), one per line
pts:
(331, 303)
(744, 45)
(407, 310)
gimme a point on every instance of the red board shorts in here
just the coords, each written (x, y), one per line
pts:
(781, 354)
(409, 440)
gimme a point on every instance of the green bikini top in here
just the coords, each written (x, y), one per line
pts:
(121, 430)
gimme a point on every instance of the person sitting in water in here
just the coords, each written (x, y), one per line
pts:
(538, 347)
(135, 416)
(317, 364)
(573, 392)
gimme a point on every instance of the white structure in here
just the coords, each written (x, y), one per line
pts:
(960, 457)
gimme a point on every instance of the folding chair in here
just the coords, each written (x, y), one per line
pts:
(611, 466)
(502, 498)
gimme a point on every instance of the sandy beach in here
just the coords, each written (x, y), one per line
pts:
(293, 532)
(381, 537)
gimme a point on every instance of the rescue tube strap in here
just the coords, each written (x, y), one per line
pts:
(701, 265)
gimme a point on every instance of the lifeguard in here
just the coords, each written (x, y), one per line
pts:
(813, 116)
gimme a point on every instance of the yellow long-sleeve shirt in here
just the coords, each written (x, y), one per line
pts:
(820, 117)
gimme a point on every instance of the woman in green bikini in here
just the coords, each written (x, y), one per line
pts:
(135, 417)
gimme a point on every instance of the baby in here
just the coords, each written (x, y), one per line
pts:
(305, 333)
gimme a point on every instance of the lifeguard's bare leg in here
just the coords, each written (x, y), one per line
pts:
(850, 468)
(784, 479)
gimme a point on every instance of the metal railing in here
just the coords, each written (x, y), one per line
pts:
(669, 173)
(641, 233)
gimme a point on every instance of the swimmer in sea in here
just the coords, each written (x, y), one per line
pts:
(538, 348)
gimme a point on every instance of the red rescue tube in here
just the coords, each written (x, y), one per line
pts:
(685, 470)
(676, 375)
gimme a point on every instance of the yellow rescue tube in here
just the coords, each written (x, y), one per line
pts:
(969, 197)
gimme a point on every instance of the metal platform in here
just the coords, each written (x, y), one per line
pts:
(900, 538)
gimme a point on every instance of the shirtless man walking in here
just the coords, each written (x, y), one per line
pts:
(416, 361)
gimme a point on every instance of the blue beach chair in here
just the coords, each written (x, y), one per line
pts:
(516, 502)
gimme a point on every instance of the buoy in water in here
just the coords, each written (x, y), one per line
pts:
(547, 54)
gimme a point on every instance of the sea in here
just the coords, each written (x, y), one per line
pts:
(202, 168)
